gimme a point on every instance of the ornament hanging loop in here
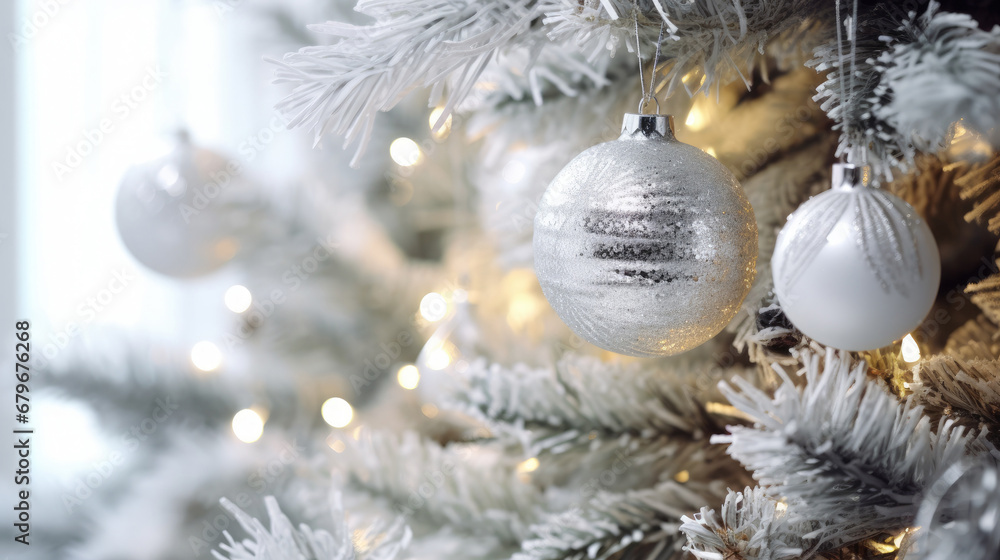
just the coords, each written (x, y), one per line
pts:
(647, 94)
(645, 101)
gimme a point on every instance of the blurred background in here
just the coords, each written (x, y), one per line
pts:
(192, 271)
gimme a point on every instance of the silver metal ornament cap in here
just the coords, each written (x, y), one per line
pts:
(649, 126)
(850, 176)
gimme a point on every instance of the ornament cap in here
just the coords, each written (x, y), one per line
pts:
(648, 125)
(849, 176)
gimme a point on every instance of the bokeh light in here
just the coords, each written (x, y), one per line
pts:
(248, 425)
(433, 307)
(337, 412)
(238, 298)
(206, 356)
(408, 376)
(404, 151)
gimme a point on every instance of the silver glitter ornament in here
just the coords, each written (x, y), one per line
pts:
(645, 245)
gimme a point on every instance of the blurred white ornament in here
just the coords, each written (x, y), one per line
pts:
(645, 245)
(169, 213)
(855, 267)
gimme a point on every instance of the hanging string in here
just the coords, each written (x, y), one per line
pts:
(840, 58)
(847, 116)
(647, 95)
(854, 57)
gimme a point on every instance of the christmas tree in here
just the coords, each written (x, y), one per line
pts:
(409, 392)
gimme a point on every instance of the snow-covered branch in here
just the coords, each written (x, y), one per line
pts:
(282, 541)
(855, 457)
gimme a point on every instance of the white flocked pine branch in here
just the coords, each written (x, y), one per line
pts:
(582, 394)
(639, 524)
(750, 526)
(283, 541)
(942, 69)
(339, 88)
(841, 449)
(582, 416)
(470, 487)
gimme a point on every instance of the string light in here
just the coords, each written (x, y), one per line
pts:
(523, 310)
(404, 151)
(206, 356)
(336, 444)
(682, 477)
(438, 359)
(445, 129)
(248, 425)
(337, 412)
(408, 376)
(238, 298)
(910, 350)
(898, 539)
(697, 119)
(528, 465)
(711, 151)
(513, 172)
(433, 307)
(689, 78)
(429, 410)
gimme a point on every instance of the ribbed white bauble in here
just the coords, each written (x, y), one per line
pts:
(170, 212)
(855, 267)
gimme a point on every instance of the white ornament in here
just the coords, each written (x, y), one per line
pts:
(644, 245)
(170, 212)
(855, 267)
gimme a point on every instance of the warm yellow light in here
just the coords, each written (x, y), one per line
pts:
(727, 410)
(433, 307)
(523, 310)
(445, 129)
(910, 350)
(898, 539)
(404, 151)
(238, 298)
(514, 171)
(882, 548)
(528, 465)
(688, 78)
(336, 444)
(337, 412)
(711, 151)
(429, 410)
(780, 507)
(408, 376)
(682, 477)
(206, 356)
(438, 359)
(248, 425)
(696, 119)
